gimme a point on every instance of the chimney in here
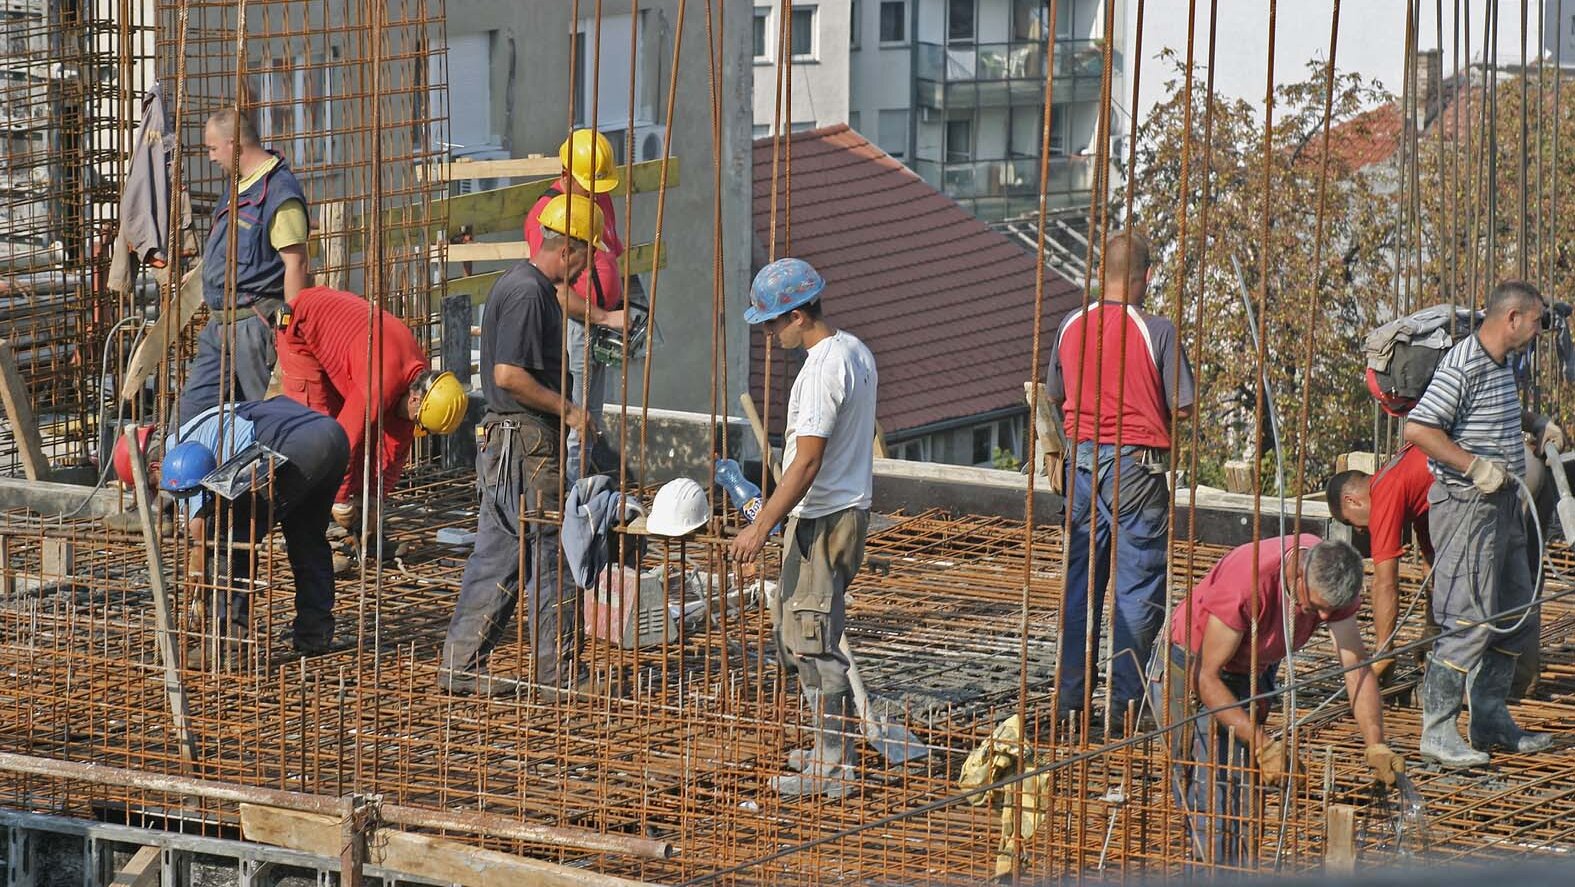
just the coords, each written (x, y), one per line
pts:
(1429, 85)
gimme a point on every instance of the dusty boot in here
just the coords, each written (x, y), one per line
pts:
(1528, 669)
(1491, 725)
(1442, 690)
(799, 758)
(828, 768)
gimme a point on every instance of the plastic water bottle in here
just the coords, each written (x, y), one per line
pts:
(745, 494)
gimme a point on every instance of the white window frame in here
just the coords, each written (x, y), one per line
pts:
(814, 34)
(768, 44)
(855, 27)
(881, 38)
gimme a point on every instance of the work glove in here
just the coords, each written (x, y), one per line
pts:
(1489, 476)
(1384, 762)
(347, 515)
(1274, 761)
(1551, 434)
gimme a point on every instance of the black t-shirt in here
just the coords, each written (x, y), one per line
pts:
(521, 326)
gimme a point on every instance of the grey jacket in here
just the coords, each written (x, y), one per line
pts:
(593, 508)
(145, 199)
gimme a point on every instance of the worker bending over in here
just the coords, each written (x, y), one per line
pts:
(596, 296)
(825, 493)
(267, 227)
(517, 459)
(374, 378)
(297, 496)
(1469, 423)
(1214, 664)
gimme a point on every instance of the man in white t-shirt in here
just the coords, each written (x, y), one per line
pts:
(825, 494)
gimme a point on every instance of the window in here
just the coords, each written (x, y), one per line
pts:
(853, 26)
(611, 73)
(913, 450)
(959, 21)
(983, 444)
(1028, 20)
(853, 120)
(894, 21)
(804, 34)
(892, 135)
(761, 130)
(959, 141)
(760, 34)
(802, 126)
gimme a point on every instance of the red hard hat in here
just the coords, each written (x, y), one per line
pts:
(122, 456)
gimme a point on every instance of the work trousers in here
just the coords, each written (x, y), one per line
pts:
(822, 556)
(1212, 774)
(1480, 569)
(516, 459)
(299, 502)
(1140, 517)
(225, 371)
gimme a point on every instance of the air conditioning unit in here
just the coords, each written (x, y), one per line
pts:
(479, 152)
(648, 141)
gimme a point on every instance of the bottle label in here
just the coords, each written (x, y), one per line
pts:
(751, 508)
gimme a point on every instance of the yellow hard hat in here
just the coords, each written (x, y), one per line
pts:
(588, 156)
(443, 404)
(576, 216)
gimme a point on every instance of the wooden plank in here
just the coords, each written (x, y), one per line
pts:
(336, 247)
(880, 441)
(508, 251)
(1339, 856)
(503, 209)
(141, 870)
(49, 498)
(1049, 440)
(24, 427)
(638, 259)
(421, 856)
(508, 168)
(161, 337)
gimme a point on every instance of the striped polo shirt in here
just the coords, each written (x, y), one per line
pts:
(1473, 399)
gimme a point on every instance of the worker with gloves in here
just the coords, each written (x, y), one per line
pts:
(324, 340)
(596, 296)
(1469, 422)
(295, 493)
(267, 229)
(825, 491)
(1212, 649)
(517, 459)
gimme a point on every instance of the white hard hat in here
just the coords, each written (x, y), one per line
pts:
(679, 508)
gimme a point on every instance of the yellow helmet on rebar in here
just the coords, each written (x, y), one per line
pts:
(443, 404)
(588, 156)
(576, 216)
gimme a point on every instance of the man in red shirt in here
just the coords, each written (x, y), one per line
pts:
(1119, 375)
(334, 360)
(1391, 505)
(1215, 664)
(596, 295)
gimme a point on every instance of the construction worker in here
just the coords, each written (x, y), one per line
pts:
(1469, 423)
(324, 340)
(1390, 505)
(1214, 664)
(588, 169)
(517, 458)
(235, 351)
(825, 494)
(1119, 376)
(296, 495)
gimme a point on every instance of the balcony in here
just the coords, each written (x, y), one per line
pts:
(978, 184)
(987, 75)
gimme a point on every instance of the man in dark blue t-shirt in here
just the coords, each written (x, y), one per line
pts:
(517, 457)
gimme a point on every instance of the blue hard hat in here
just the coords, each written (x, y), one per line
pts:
(780, 287)
(185, 466)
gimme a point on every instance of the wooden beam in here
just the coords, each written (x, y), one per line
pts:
(164, 333)
(638, 259)
(507, 251)
(336, 247)
(49, 498)
(1339, 855)
(141, 870)
(24, 427)
(513, 167)
(421, 856)
(503, 209)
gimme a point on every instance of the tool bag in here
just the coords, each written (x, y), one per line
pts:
(1403, 354)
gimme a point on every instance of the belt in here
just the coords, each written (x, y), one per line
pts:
(273, 311)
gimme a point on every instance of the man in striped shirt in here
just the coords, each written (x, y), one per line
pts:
(1469, 422)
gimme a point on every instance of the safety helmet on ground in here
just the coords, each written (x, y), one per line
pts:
(588, 156)
(443, 403)
(185, 466)
(780, 287)
(679, 508)
(576, 216)
(122, 453)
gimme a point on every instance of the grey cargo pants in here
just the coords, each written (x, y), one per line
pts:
(1480, 569)
(822, 557)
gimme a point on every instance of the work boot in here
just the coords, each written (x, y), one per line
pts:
(1491, 725)
(828, 767)
(1442, 690)
(476, 683)
(800, 758)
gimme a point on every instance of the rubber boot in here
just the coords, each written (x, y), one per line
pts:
(829, 770)
(1491, 725)
(799, 758)
(1442, 690)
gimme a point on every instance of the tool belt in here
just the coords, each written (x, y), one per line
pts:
(273, 311)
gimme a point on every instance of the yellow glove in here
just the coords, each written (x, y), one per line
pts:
(1384, 762)
(1489, 476)
(1274, 762)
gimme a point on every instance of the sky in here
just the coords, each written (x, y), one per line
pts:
(1372, 39)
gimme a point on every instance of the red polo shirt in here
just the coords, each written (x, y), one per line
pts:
(1399, 505)
(1116, 369)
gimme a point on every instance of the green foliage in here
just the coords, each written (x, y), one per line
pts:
(1004, 460)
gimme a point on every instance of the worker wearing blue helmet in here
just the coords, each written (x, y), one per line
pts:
(825, 495)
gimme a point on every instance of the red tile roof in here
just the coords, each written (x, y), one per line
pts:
(1370, 137)
(944, 302)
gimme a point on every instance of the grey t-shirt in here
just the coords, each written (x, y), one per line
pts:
(1473, 399)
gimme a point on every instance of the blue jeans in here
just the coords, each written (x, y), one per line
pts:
(1141, 518)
